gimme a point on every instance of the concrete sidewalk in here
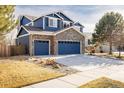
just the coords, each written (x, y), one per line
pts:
(75, 80)
(70, 81)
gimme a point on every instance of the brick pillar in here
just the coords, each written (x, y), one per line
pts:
(54, 45)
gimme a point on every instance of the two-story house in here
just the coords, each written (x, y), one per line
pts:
(50, 34)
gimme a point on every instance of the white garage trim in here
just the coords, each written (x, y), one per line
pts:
(71, 41)
(40, 40)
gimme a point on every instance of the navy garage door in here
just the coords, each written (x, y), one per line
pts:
(68, 47)
(41, 47)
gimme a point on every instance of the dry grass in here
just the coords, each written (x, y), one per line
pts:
(117, 55)
(103, 83)
(20, 73)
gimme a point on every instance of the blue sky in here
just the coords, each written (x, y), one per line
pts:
(87, 15)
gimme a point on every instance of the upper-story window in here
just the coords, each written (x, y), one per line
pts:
(89, 41)
(66, 24)
(52, 22)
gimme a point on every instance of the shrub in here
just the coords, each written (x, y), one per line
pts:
(49, 61)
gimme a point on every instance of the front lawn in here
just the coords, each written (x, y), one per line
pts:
(114, 55)
(117, 55)
(20, 73)
(103, 83)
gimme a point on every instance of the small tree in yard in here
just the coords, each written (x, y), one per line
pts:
(106, 28)
(119, 38)
(7, 20)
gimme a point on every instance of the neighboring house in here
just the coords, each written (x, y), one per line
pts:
(104, 46)
(50, 34)
(88, 39)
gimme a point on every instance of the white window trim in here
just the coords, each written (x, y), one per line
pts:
(54, 19)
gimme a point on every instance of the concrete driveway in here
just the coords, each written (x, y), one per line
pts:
(86, 62)
(91, 67)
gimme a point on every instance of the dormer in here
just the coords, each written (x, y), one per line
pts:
(67, 22)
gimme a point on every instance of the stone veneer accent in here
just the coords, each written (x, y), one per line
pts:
(70, 34)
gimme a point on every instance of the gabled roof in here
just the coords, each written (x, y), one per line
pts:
(33, 18)
(39, 31)
(35, 30)
(64, 15)
(29, 17)
(47, 15)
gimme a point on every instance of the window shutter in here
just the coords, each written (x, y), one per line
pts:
(58, 23)
(47, 21)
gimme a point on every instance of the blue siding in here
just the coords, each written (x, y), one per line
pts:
(64, 17)
(41, 47)
(22, 32)
(24, 21)
(23, 41)
(39, 23)
(47, 28)
(68, 47)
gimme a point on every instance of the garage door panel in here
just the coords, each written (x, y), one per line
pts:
(41, 47)
(68, 47)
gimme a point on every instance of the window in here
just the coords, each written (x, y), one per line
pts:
(52, 22)
(89, 42)
(66, 24)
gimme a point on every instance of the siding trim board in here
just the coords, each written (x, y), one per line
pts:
(23, 35)
(22, 27)
(59, 16)
(43, 23)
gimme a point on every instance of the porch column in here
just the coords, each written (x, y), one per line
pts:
(30, 46)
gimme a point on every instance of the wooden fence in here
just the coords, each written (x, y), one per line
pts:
(4, 50)
(17, 50)
(11, 50)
